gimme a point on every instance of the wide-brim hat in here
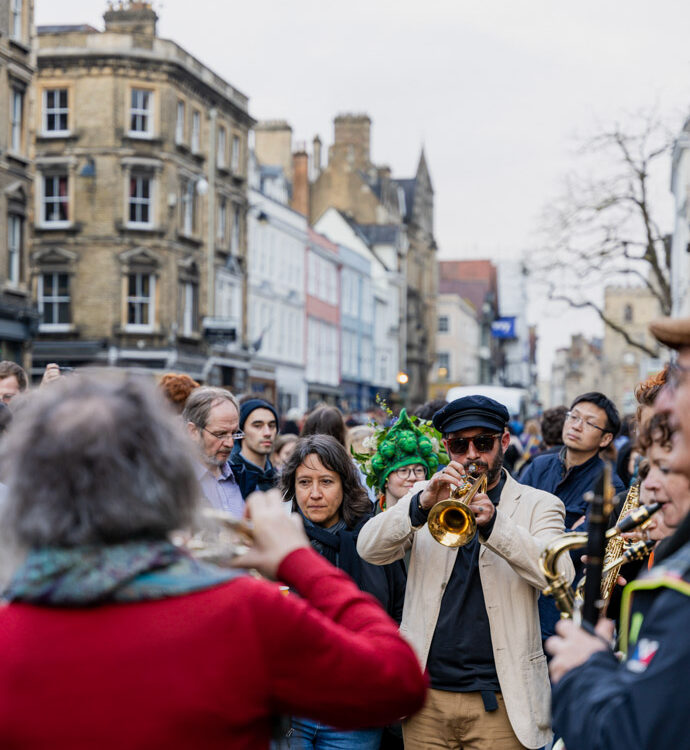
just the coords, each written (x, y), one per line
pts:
(673, 332)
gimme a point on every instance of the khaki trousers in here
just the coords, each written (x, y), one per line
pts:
(459, 721)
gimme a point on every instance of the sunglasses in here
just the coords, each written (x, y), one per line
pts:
(482, 443)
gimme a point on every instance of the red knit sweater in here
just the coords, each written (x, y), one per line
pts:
(205, 670)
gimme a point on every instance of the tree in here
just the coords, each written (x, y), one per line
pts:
(602, 229)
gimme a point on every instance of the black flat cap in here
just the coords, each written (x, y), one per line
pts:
(471, 411)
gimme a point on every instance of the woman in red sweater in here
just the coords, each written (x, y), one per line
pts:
(115, 638)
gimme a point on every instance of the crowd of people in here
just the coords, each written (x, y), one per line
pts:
(115, 634)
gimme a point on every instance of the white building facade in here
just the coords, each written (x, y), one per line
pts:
(457, 344)
(277, 246)
(384, 290)
(680, 260)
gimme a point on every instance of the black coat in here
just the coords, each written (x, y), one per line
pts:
(642, 702)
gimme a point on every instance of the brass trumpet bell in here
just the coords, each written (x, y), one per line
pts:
(451, 522)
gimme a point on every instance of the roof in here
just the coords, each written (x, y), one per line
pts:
(409, 186)
(65, 28)
(474, 292)
(356, 228)
(466, 270)
(380, 234)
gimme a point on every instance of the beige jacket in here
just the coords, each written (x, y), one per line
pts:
(526, 520)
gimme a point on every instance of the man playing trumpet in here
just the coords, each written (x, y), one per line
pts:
(471, 611)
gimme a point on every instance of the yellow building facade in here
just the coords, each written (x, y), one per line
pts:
(140, 201)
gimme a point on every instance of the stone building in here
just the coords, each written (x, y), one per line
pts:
(477, 282)
(576, 369)
(458, 340)
(370, 197)
(624, 365)
(139, 254)
(18, 317)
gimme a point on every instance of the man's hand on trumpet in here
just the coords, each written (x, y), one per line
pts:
(441, 484)
(275, 534)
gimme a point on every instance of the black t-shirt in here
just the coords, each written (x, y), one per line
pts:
(461, 658)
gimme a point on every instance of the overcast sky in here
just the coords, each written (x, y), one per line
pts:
(495, 90)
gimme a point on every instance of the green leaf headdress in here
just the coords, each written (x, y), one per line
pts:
(408, 441)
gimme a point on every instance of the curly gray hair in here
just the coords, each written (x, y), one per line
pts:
(97, 459)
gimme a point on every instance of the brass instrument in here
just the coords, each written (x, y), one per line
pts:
(224, 540)
(636, 551)
(559, 587)
(616, 547)
(452, 522)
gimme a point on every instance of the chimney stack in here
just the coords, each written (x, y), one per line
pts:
(316, 156)
(353, 138)
(300, 182)
(273, 145)
(134, 17)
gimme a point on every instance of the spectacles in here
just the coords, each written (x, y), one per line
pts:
(404, 472)
(575, 418)
(482, 443)
(676, 374)
(223, 436)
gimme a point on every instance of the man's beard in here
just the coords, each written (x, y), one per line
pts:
(214, 460)
(492, 470)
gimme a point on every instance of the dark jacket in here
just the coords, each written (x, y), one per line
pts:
(385, 582)
(547, 472)
(642, 702)
(249, 476)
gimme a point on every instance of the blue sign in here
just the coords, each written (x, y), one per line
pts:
(503, 328)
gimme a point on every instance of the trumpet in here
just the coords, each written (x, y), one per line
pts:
(231, 537)
(451, 522)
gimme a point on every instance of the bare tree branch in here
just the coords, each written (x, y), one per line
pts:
(601, 230)
(606, 320)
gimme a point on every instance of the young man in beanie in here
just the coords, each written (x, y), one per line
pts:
(471, 612)
(641, 701)
(250, 457)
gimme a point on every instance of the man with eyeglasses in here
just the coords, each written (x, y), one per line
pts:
(471, 612)
(212, 418)
(590, 425)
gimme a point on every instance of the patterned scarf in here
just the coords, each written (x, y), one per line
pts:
(97, 574)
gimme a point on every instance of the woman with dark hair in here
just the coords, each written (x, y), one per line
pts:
(323, 485)
(326, 420)
(329, 420)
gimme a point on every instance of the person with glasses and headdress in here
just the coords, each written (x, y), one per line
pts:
(404, 455)
(471, 611)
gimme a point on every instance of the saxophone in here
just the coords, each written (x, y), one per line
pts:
(559, 587)
(614, 558)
